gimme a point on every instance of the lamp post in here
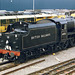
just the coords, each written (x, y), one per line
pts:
(11, 1)
(0, 4)
(33, 5)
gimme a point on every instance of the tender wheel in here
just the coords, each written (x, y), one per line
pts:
(49, 49)
(59, 46)
(36, 53)
(72, 42)
(55, 49)
(65, 45)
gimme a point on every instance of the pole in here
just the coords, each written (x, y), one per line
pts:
(0, 4)
(33, 5)
(11, 1)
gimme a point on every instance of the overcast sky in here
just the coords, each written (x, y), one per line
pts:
(39, 4)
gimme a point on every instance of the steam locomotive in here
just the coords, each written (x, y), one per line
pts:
(23, 41)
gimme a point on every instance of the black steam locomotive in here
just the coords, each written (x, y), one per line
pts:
(23, 41)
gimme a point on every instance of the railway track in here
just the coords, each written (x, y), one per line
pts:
(64, 68)
(11, 65)
(6, 65)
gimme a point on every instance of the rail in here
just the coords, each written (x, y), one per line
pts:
(23, 67)
(57, 69)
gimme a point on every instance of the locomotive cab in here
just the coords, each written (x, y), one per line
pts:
(71, 25)
(61, 25)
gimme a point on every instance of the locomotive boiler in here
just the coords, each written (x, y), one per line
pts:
(23, 41)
